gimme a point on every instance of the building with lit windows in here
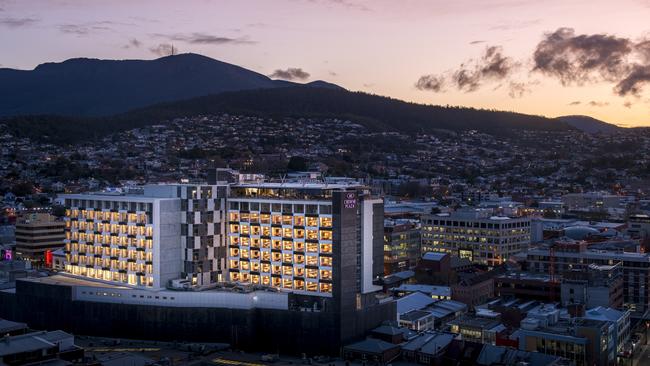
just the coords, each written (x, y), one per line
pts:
(146, 238)
(37, 234)
(313, 239)
(401, 245)
(475, 235)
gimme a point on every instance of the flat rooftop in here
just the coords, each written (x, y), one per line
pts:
(299, 185)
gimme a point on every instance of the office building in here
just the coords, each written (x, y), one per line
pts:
(476, 235)
(401, 245)
(37, 234)
(597, 285)
(567, 256)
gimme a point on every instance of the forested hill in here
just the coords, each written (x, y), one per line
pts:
(375, 112)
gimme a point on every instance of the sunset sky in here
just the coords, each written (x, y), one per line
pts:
(541, 57)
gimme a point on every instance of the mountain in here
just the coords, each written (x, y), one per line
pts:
(589, 124)
(377, 113)
(92, 87)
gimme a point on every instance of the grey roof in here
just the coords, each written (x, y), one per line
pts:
(124, 359)
(7, 326)
(437, 344)
(414, 315)
(426, 289)
(414, 301)
(433, 256)
(495, 355)
(30, 342)
(451, 305)
(371, 345)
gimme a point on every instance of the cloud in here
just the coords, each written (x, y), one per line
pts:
(594, 103)
(333, 74)
(517, 89)
(163, 49)
(577, 59)
(17, 22)
(204, 38)
(492, 66)
(633, 83)
(133, 42)
(350, 4)
(627, 104)
(477, 42)
(292, 73)
(577, 102)
(430, 82)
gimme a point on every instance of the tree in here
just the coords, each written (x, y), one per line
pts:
(297, 163)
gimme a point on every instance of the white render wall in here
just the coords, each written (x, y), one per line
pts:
(167, 241)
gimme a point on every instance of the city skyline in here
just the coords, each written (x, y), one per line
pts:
(551, 58)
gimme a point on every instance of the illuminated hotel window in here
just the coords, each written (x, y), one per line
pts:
(299, 272)
(255, 266)
(244, 265)
(234, 228)
(287, 245)
(276, 257)
(245, 277)
(326, 261)
(312, 247)
(266, 268)
(266, 231)
(287, 232)
(255, 279)
(243, 217)
(245, 242)
(276, 244)
(287, 219)
(266, 256)
(255, 254)
(287, 283)
(312, 273)
(326, 248)
(244, 253)
(326, 235)
(312, 260)
(312, 234)
(326, 287)
(234, 240)
(326, 222)
(265, 218)
(312, 286)
(245, 229)
(255, 230)
(233, 263)
(312, 221)
(299, 258)
(276, 231)
(299, 220)
(266, 243)
(299, 246)
(266, 280)
(325, 274)
(254, 217)
(234, 252)
(287, 270)
(299, 284)
(299, 233)
(287, 258)
(276, 270)
(276, 219)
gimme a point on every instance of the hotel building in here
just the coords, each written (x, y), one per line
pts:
(312, 239)
(475, 235)
(148, 237)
